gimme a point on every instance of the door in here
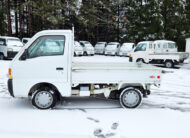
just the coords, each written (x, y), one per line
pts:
(46, 63)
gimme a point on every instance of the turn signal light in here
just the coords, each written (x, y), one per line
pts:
(9, 71)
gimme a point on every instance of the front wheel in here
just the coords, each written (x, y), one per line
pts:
(130, 98)
(44, 98)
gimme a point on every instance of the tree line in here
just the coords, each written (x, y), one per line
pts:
(99, 20)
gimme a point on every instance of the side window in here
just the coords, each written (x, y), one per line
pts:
(2, 42)
(47, 46)
(159, 45)
(154, 46)
(171, 45)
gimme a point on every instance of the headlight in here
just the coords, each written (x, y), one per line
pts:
(9, 49)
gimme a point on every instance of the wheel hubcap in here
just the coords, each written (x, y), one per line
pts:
(168, 64)
(130, 98)
(43, 99)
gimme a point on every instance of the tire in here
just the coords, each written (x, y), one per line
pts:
(2, 57)
(140, 60)
(85, 54)
(169, 64)
(130, 98)
(44, 98)
(75, 54)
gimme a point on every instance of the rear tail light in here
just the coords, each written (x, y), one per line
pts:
(158, 77)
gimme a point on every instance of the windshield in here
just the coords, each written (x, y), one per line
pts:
(99, 45)
(86, 42)
(141, 47)
(112, 46)
(13, 40)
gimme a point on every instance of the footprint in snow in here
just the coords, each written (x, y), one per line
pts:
(92, 119)
(114, 126)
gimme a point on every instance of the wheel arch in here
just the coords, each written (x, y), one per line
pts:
(43, 84)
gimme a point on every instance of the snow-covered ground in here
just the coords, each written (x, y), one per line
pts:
(164, 114)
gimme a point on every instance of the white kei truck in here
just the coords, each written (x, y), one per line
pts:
(158, 52)
(44, 71)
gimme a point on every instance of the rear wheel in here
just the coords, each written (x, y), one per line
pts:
(130, 98)
(1, 56)
(169, 64)
(44, 98)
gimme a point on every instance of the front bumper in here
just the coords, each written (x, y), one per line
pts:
(11, 54)
(10, 87)
(123, 54)
(90, 52)
(79, 53)
(99, 51)
(109, 53)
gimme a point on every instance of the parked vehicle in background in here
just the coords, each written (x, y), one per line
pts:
(25, 40)
(87, 48)
(126, 49)
(45, 75)
(158, 52)
(100, 47)
(9, 46)
(112, 48)
(78, 49)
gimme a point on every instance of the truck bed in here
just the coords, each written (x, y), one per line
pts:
(183, 55)
(106, 73)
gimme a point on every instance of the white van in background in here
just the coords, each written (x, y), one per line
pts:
(9, 47)
(158, 52)
(78, 49)
(87, 48)
(100, 47)
(126, 49)
(25, 40)
(112, 48)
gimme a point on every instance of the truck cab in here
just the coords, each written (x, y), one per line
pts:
(9, 47)
(112, 48)
(142, 50)
(126, 49)
(87, 48)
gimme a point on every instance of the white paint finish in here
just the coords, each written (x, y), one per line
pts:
(27, 73)
(43, 69)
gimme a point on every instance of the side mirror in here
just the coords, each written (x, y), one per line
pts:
(24, 55)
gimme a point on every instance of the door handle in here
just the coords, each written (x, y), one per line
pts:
(59, 68)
